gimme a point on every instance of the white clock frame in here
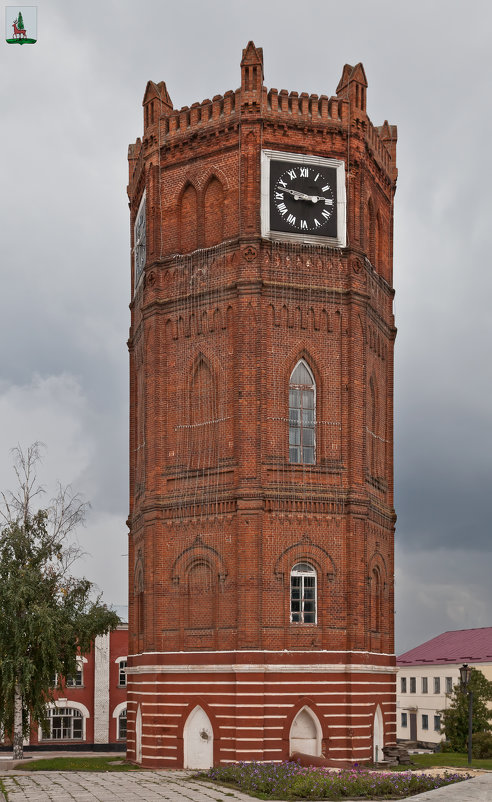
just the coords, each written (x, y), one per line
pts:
(340, 241)
(141, 208)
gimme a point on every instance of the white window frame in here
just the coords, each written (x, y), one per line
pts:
(65, 704)
(122, 659)
(303, 575)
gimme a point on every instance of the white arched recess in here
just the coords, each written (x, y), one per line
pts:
(378, 737)
(305, 733)
(198, 740)
(138, 735)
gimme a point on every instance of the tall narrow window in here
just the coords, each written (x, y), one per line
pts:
(122, 673)
(122, 726)
(302, 415)
(303, 594)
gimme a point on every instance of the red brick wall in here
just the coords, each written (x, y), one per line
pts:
(218, 515)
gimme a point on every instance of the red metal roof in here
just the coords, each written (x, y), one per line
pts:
(456, 646)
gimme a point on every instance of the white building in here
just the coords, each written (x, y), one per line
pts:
(427, 675)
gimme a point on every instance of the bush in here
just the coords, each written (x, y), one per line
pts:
(482, 745)
(446, 747)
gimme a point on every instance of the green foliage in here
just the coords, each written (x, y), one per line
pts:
(455, 718)
(482, 745)
(48, 616)
(20, 21)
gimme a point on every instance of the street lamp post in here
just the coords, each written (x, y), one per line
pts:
(465, 674)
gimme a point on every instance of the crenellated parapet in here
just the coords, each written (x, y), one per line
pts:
(165, 126)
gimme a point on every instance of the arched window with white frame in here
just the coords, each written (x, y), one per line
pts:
(64, 723)
(302, 415)
(303, 593)
(119, 714)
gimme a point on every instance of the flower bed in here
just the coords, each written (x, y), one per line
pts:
(290, 781)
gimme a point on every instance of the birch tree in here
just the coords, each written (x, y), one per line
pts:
(47, 616)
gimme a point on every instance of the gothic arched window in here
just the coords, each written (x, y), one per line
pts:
(303, 594)
(302, 415)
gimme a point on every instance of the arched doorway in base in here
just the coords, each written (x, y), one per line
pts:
(378, 736)
(198, 740)
(138, 735)
(305, 733)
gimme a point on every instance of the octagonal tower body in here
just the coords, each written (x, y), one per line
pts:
(261, 428)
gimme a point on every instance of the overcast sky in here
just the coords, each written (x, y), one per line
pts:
(71, 104)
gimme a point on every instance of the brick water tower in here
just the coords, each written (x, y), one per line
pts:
(261, 427)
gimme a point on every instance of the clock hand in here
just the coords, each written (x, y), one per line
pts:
(296, 194)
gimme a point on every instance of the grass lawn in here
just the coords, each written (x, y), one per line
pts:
(112, 763)
(450, 760)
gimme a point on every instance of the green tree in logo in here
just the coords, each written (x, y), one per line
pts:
(20, 21)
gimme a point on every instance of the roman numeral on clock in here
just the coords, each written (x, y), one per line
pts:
(304, 172)
(304, 224)
(291, 219)
(282, 208)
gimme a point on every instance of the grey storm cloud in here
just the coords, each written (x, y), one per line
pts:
(71, 104)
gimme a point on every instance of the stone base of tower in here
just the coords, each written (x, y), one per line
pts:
(202, 709)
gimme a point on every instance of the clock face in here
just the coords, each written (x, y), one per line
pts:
(303, 198)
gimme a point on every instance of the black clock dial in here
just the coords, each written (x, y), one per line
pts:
(303, 198)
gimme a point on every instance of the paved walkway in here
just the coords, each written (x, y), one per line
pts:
(172, 786)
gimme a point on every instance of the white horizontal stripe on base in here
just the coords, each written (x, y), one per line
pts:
(150, 746)
(265, 694)
(156, 757)
(273, 651)
(263, 668)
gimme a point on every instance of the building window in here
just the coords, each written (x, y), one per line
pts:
(122, 673)
(303, 594)
(403, 684)
(75, 681)
(425, 721)
(437, 723)
(404, 720)
(302, 415)
(122, 726)
(437, 685)
(413, 685)
(64, 723)
(449, 685)
(425, 685)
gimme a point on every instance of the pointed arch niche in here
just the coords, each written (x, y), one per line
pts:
(378, 736)
(213, 213)
(203, 435)
(198, 740)
(188, 220)
(305, 733)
